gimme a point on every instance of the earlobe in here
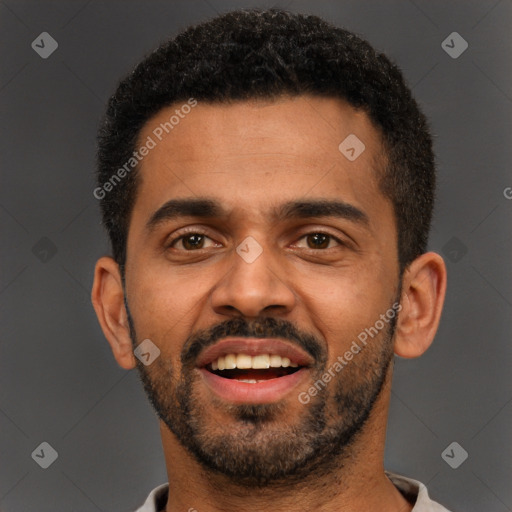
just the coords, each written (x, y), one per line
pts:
(108, 300)
(422, 299)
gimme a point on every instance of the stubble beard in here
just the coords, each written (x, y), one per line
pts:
(259, 448)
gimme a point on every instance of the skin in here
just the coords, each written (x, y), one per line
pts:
(251, 157)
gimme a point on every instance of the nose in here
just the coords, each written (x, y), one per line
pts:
(252, 287)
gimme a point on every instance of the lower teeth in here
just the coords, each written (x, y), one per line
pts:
(250, 381)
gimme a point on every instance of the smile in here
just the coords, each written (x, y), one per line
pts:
(253, 385)
(251, 370)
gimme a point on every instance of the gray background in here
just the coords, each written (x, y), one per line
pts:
(59, 382)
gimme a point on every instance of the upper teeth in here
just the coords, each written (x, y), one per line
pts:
(245, 361)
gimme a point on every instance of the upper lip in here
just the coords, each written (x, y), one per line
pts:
(254, 347)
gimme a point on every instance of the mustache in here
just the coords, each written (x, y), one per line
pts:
(264, 327)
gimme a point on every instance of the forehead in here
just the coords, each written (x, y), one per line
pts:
(251, 155)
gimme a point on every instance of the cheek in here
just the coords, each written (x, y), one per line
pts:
(164, 302)
(343, 306)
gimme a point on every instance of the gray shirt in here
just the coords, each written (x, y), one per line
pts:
(412, 490)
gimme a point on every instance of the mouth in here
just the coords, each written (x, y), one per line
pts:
(252, 369)
(253, 375)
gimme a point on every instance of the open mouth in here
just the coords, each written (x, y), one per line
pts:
(252, 375)
(253, 370)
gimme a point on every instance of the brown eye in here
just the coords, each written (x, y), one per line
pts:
(318, 240)
(193, 241)
(190, 241)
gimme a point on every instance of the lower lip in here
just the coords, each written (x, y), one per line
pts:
(261, 392)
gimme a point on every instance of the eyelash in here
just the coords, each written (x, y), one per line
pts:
(196, 231)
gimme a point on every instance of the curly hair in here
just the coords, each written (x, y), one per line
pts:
(265, 54)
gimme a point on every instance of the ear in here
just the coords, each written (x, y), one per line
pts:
(108, 300)
(422, 299)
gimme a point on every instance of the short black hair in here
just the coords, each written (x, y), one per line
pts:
(265, 54)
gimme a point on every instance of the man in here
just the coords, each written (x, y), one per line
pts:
(267, 183)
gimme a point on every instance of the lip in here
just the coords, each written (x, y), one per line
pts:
(237, 392)
(254, 347)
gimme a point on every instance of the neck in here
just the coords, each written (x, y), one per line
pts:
(354, 482)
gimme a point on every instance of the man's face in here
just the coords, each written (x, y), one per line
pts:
(316, 282)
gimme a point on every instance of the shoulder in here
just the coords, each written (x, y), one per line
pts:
(416, 493)
(156, 500)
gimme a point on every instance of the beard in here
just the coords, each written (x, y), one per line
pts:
(262, 449)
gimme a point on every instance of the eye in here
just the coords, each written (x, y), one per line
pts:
(190, 241)
(319, 240)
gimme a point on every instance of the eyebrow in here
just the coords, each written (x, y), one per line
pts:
(204, 207)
